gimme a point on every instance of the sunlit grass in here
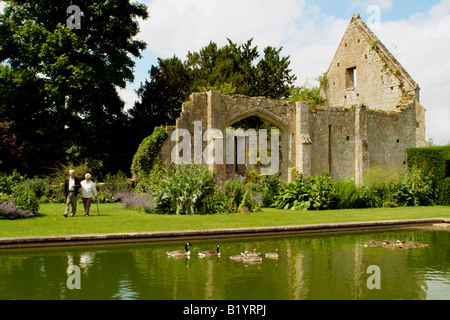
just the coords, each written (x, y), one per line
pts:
(114, 219)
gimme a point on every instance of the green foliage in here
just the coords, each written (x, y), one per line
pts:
(236, 189)
(268, 187)
(305, 93)
(60, 172)
(316, 192)
(8, 182)
(294, 195)
(218, 202)
(192, 189)
(148, 150)
(379, 178)
(232, 69)
(321, 191)
(152, 180)
(382, 188)
(435, 161)
(60, 86)
(416, 188)
(115, 183)
(241, 194)
(54, 194)
(160, 98)
(443, 197)
(25, 199)
(347, 194)
(310, 94)
(182, 190)
(272, 75)
(5, 197)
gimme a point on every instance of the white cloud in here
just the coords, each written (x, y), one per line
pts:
(128, 95)
(310, 38)
(362, 5)
(423, 42)
(179, 26)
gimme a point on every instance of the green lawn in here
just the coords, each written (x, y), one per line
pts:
(114, 219)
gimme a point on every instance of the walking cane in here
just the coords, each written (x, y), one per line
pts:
(98, 212)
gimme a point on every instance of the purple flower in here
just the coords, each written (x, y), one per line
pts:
(142, 202)
(9, 211)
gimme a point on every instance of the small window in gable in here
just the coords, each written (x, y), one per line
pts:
(350, 75)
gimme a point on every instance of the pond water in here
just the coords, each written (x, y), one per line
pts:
(310, 266)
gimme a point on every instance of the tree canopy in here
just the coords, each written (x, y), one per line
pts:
(58, 86)
(232, 69)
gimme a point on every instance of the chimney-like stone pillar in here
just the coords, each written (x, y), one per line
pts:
(361, 144)
(303, 139)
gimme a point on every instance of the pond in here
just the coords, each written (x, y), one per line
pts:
(310, 266)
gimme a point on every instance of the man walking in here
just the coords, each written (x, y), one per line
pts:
(71, 186)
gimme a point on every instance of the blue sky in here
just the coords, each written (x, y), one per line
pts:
(400, 9)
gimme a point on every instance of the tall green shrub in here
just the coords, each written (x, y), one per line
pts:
(443, 198)
(183, 189)
(25, 199)
(434, 160)
(415, 188)
(380, 187)
(268, 187)
(148, 150)
(347, 194)
(293, 195)
(321, 191)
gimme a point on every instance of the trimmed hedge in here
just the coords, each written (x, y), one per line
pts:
(148, 150)
(444, 192)
(435, 160)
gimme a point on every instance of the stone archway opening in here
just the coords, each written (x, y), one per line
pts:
(254, 142)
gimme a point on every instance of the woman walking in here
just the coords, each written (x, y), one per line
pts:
(88, 191)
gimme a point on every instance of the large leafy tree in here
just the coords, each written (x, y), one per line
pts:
(161, 97)
(58, 85)
(232, 69)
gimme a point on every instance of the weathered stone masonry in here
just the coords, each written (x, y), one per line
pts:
(374, 114)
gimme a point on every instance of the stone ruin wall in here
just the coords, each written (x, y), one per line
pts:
(359, 138)
(373, 117)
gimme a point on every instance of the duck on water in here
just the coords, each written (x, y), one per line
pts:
(180, 253)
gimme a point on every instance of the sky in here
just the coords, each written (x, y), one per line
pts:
(417, 32)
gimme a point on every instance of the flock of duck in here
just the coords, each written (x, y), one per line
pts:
(246, 256)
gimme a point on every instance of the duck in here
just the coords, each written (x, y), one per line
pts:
(272, 255)
(180, 253)
(258, 258)
(253, 254)
(237, 258)
(210, 253)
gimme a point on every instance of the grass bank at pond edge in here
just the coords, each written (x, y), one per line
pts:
(114, 219)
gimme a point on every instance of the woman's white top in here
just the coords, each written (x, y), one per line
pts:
(88, 189)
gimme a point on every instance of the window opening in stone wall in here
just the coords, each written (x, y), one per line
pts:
(351, 77)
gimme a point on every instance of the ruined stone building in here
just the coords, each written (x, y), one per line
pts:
(373, 115)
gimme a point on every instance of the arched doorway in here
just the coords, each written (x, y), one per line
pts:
(263, 149)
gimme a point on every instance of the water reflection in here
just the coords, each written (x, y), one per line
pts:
(326, 266)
